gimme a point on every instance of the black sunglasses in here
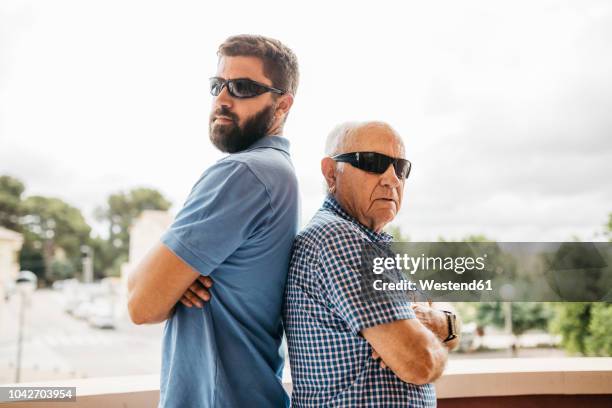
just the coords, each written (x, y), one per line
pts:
(240, 88)
(375, 163)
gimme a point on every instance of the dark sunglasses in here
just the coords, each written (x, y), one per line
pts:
(375, 163)
(240, 88)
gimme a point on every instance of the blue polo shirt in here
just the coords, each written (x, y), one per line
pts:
(237, 226)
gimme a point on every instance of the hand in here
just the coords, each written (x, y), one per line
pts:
(433, 319)
(197, 292)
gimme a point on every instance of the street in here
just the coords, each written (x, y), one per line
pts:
(57, 345)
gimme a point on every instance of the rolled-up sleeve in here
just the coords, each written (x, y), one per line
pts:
(340, 260)
(225, 207)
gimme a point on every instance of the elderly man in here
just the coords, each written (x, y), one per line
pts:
(335, 336)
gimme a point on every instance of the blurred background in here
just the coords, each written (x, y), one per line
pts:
(504, 109)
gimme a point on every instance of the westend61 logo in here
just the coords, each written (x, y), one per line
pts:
(412, 264)
(488, 271)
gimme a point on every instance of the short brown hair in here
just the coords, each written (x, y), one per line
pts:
(280, 63)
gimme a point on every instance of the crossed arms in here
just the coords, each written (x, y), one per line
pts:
(158, 283)
(413, 348)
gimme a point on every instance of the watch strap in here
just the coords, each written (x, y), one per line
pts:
(450, 320)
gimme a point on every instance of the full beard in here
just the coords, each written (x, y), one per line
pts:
(231, 138)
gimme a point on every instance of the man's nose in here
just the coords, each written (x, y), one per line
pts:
(224, 99)
(389, 178)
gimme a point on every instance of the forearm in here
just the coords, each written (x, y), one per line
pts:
(145, 302)
(426, 367)
(409, 349)
(156, 285)
(162, 317)
(440, 357)
(435, 362)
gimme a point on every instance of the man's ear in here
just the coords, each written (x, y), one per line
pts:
(328, 168)
(285, 102)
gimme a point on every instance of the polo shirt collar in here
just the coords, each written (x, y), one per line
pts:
(332, 204)
(272, 141)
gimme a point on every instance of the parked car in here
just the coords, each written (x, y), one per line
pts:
(61, 284)
(73, 297)
(102, 314)
(468, 334)
(83, 310)
(27, 277)
(26, 280)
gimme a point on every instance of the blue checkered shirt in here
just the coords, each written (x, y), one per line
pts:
(331, 363)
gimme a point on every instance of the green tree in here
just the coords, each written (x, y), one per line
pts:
(525, 315)
(121, 210)
(477, 238)
(11, 190)
(51, 226)
(599, 341)
(572, 322)
(104, 258)
(585, 327)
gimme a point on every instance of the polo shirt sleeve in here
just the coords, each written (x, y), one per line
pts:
(340, 259)
(226, 206)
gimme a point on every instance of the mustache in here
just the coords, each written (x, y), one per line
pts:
(223, 111)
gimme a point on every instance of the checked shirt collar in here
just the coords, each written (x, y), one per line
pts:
(332, 205)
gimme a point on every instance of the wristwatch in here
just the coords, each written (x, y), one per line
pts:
(451, 319)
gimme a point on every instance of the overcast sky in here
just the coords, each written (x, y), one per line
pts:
(505, 107)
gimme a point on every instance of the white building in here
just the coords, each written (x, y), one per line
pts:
(144, 233)
(10, 245)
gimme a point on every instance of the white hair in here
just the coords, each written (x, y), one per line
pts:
(338, 138)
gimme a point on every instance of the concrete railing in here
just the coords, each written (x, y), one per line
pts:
(540, 382)
(526, 382)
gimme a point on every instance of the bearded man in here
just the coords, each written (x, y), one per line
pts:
(236, 230)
